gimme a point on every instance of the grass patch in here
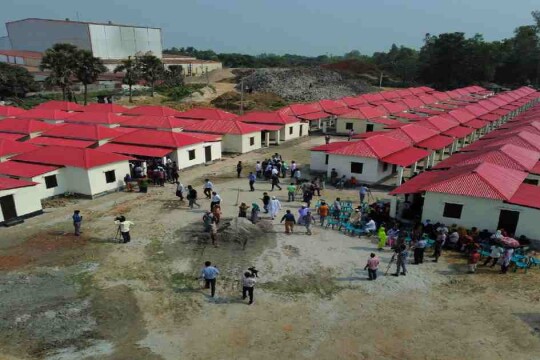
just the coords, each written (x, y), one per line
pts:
(320, 283)
(155, 251)
(84, 281)
(181, 282)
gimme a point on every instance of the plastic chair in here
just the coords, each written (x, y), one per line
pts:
(534, 261)
(332, 222)
(519, 264)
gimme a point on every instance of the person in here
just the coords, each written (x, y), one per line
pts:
(336, 208)
(138, 170)
(180, 190)
(363, 191)
(274, 207)
(307, 197)
(213, 230)
(381, 233)
(275, 182)
(258, 169)
(207, 188)
(419, 249)
(208, 219)
(372, 266)
(291, 190)
(393, 235)
(266, 201)
(453, 239)
(371, 227)
(143, 185)
(323, 211)
(356, 218)
(214, 200)
(255, 210)
(494, 255)
(239, 168)
(248, 284)
(474, 258)
(301, 213)
(124, 228)
(316, 186)
(161, 176)
(242, 210)
(127, 181)
(209, 274)
(293, 168)
(275, 171)
(216, 210)
(308, 220)
(327, 139)
(506, 259)
(333, 176)
(298, 176)
(351, 133)
(437, 247)
(284, 168)
(174, 172)
(401, 261)
(192, 197)
(289, 222)
(77, 220)
(251, 178)
(340, 184)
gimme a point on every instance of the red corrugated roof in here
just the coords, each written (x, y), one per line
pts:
(206, 137)
(157, 122)
(24, 126)
(332, 146)
(13, 137)
(390, 95)
(406, 157)
(364, 112)
(417, 90)
(440, 95)
(223, 127)
(523, 138)
(461, 116)
(459, 132)
(411, 102)
(404, 92)
(11, 147)
(45, 114)
(11, 111)
(153, 110)
(8, 183)
(353, 100)
(476, 110)
(527, 195)
(327, 104)
(490, 117)
(427, 99)
(377, 146)
(82, 132)
(314, 116)
(26, 170)
(50, 141)
(127, 149)
(88, 117)
(412, 133)
(59, 105)
(410, 117)
(488, 105)
(392, 108)
(70, 156)
(447, 107)
(206, 113)
(106, 108)
(373, 98)
(417, 183)
(436, 142)
(263, 117)
(427, 111)
(476, 124)
(166, 139)
(535, 169)
(438, 123)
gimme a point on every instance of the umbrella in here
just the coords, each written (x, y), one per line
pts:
(508, 241)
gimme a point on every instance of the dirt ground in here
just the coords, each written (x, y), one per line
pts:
(64, 298)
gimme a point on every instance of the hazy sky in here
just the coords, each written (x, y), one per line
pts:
(308, 27)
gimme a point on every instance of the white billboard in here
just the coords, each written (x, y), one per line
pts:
(119, 42)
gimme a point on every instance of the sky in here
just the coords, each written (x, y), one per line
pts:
(304, 27)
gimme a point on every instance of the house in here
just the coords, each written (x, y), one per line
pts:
(361, 120)
(163, 123)
(9, 148)
(290, 126)
(87, 172)
(187, 149)
(50, 180)
(18, 200)
(97, 134)
(107, 119)
(28, 127)
(237, 136)
(312, 113)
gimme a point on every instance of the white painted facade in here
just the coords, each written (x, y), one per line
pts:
(293, 131)
(41, 189)
(359, 126)
(26, 201)
(92, 182)
(479, 212)
(241, 143)
(197, 152)
(373, 169)
(318, 161)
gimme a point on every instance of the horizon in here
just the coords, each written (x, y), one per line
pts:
(308, 28)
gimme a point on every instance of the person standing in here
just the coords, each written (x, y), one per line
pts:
(506, 259)
(308, 221)
(291, 190)
(297, 176)
(242, 210)
(381, 233)
(401, 261)
(323, 211)
(372, 266)
(437, 247)
(284, 168)
(77, 220)
(207, 188)
(307, 197)
(293, 168)
(209, 274)
(266, 202)
(419, 250)
(275, 182)
(289, 222)
(216, 210)
(351, 133)
(327, 139)
(180, 190)
(494, 255)
(215, 200)
(474, 258)
(124, 228)
(363, 192)
(302, 212)
(258, 169)
(275, 206)
(251, 178)
(248, 285)
(192, 197)
(255, 210)
(239, 168)
(336, 208)
(143, 185)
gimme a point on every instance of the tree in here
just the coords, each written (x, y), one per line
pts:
(89, 69)
(174, 76)
(61, 61)
(151, 69)
(131, 75)
(15, 81)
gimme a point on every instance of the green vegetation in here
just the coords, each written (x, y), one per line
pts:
(179, 92)
(15, 81)
(88, 70)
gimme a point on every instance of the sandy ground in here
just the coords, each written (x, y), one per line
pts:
(66, 298)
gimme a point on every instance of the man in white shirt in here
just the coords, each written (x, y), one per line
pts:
(371, 227)
(124, 226)
(494, 255)
(258, 169)
(248, 284)
(216, 199)
(208, 187)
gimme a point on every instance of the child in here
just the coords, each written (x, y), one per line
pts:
(242, 210)
(248, 284)
(372, 266)
(473, 261)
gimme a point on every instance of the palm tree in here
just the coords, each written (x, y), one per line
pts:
(61, 61)
(89, 69)
(151, 69)
(129, 68)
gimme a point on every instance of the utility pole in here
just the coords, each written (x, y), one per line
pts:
(242, 96)
(380, 80)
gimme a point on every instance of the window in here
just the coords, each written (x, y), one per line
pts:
(369, 127)
(252, 141)
(191, 154)
(110, 176)
(348, 126)
(530, 181)
(290, 130)
(357, 168)
(452, 210)
(51, 182)
(384, 167)
(326, 159)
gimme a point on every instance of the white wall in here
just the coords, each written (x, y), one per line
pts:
(372, 171)
(41, 188)
(240, 143)
(284, 133)
(318, 159)
(181, 156)
(26, 200)
(359, 126)
(479, 212)
(119, 42)
(92, 182)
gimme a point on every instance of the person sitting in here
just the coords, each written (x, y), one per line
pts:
(353, 182)
(356, 218)
(370, 227)
(127, 181)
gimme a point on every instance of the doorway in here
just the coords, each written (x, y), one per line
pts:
(208, 153)
(508, 220)
(8, 207)
(301, 129)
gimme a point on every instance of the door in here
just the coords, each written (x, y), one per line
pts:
(508, 220)
(301, 130)
(208, 153)
(8, 207)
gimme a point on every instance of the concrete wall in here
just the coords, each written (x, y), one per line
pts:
(241, 143)
(91, 182)
(285, 133)
(119, 42)
(26, 201)
(359, 126)
(372, 170)
(479, 212)
(181, 156)
(41, 188)
(197, 68)
(318, 159)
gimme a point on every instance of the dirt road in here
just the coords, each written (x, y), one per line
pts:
(64, 298)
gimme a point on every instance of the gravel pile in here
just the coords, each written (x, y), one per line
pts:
(303, 84)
